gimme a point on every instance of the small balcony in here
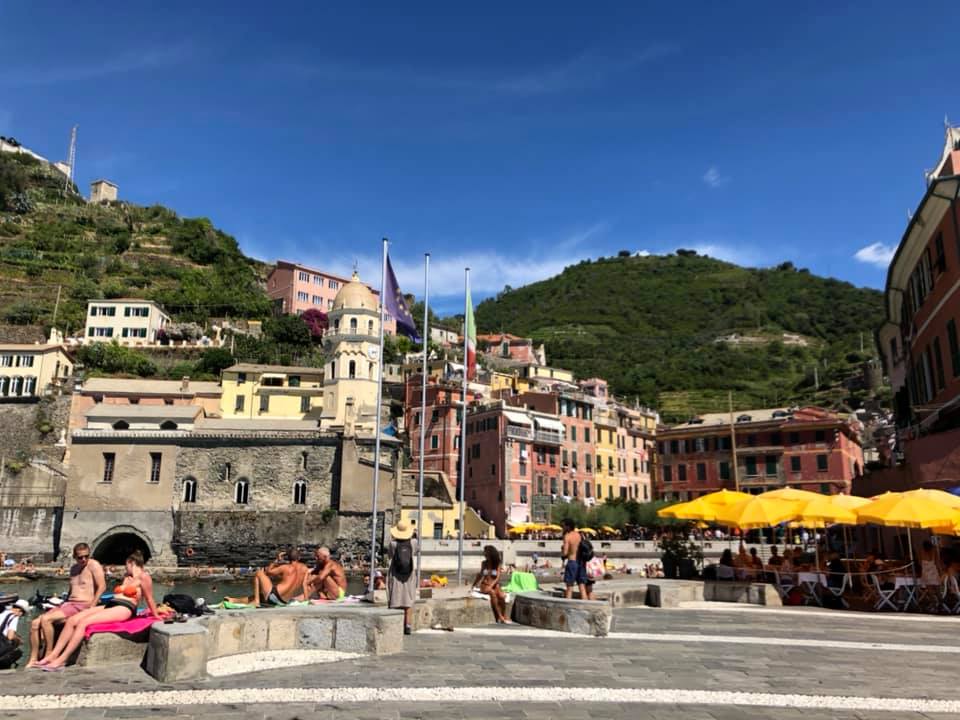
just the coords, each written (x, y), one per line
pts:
(516, 432)
(548, 437)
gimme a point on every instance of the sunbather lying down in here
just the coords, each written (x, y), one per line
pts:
(278, 583)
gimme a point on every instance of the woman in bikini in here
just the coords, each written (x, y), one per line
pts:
(488, 580)
(135, 586)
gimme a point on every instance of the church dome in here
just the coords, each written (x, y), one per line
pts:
(355, 295)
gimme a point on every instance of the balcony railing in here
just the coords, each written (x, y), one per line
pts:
(548, 437)
(519, 433)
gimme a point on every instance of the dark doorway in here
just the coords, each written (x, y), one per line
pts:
(114, 549)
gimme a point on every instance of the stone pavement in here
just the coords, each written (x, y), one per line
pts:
(662, 664)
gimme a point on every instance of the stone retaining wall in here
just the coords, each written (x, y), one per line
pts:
(580, 617)
(180, 651)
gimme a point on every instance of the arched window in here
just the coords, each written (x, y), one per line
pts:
(241, 492)
(353, 326)
(300, 492)
(168, 425)
(189, 490)
(336, 325)
(121, 425)
(369, 327)
(333, 368)
(370, 370)
(353, 369)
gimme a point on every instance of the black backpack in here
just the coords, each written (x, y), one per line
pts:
(9, 653)
(402, 565)
(585, 550)
(183, 604)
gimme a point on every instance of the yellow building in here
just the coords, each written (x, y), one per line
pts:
(441, 512)
(534, 372)
(26, 371)
(272, 391)
(605, 448)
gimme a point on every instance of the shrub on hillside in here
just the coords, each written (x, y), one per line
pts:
(22, 313)
(114, 358)
(214, 360)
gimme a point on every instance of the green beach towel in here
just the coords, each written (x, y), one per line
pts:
(521, 582)
(228, 605)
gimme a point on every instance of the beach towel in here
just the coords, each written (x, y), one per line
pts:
(521, 582)
(229, 605)
(128, 627)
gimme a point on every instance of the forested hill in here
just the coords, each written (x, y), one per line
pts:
(650, 325)
(52, 238)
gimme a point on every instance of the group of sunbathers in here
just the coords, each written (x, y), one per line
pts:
(287, 579)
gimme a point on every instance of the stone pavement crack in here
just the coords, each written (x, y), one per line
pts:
(469, 695)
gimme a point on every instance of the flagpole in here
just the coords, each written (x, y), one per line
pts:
(423, 407)
(376, 444)
(463, 424)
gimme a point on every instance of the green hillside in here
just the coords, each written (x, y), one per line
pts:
(649, 325)
(50, 238)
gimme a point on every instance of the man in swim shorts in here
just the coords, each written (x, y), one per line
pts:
(327, 579)
(87, 583)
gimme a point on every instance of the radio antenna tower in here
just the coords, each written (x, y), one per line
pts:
(71, 158)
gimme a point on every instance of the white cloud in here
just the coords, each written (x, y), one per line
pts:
(875, 254)
(643, 253)
(744, 255)
(713, 178)
(146, 59)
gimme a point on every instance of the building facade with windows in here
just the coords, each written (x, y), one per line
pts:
(128, 321)
(28, 371)
(808, 448)
(296, 288)
(513, 456)
(284, 392)
(920, 340)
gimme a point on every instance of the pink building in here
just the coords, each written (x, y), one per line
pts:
(297, 288)
(513, 458)
(575, 471)
(442, 440)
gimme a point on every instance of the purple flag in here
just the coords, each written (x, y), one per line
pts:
(394, 304)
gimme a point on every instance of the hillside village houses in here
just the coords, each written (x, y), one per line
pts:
(128, 321)
(29, 371)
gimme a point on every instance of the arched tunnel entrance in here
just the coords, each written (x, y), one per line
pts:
(114, 548)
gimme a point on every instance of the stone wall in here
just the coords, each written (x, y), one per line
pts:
(28, 531)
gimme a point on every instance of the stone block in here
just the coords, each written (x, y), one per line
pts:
(386, 636)
(255, 632)
(315, 633)
(581, 617)
(177, 652)
(282, 633)
(229, 640)
(350, 636)
(110, 649)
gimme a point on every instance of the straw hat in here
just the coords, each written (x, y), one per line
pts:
(401, 531)
(23, 605)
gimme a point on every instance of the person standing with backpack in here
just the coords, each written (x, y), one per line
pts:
(401, 578)
(576, 551)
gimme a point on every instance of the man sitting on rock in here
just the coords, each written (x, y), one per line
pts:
(327, 580)
(278, 583)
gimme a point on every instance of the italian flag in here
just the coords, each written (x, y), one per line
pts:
(470, 339)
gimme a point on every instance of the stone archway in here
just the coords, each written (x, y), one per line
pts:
(113, 546)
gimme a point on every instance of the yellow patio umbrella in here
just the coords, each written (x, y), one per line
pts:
(704, 507)
(789, 493)
(824, 510)
(940, 496)
(588, 531)
(518, 530)
(552, 528)
(758, 512)
(851, 502)
(608, 529)
(908, 510)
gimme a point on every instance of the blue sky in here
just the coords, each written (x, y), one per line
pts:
(516, 138)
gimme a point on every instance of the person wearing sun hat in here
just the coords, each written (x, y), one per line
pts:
(402, 576)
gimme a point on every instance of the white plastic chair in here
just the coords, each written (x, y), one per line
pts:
(885, 595)
(838, 592)
(785, 583)
(950, 595)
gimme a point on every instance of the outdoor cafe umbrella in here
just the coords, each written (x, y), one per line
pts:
(704, 507)
(824, 510)
(588, 531)
(908, 510)
(789, 493)
(758, 512)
